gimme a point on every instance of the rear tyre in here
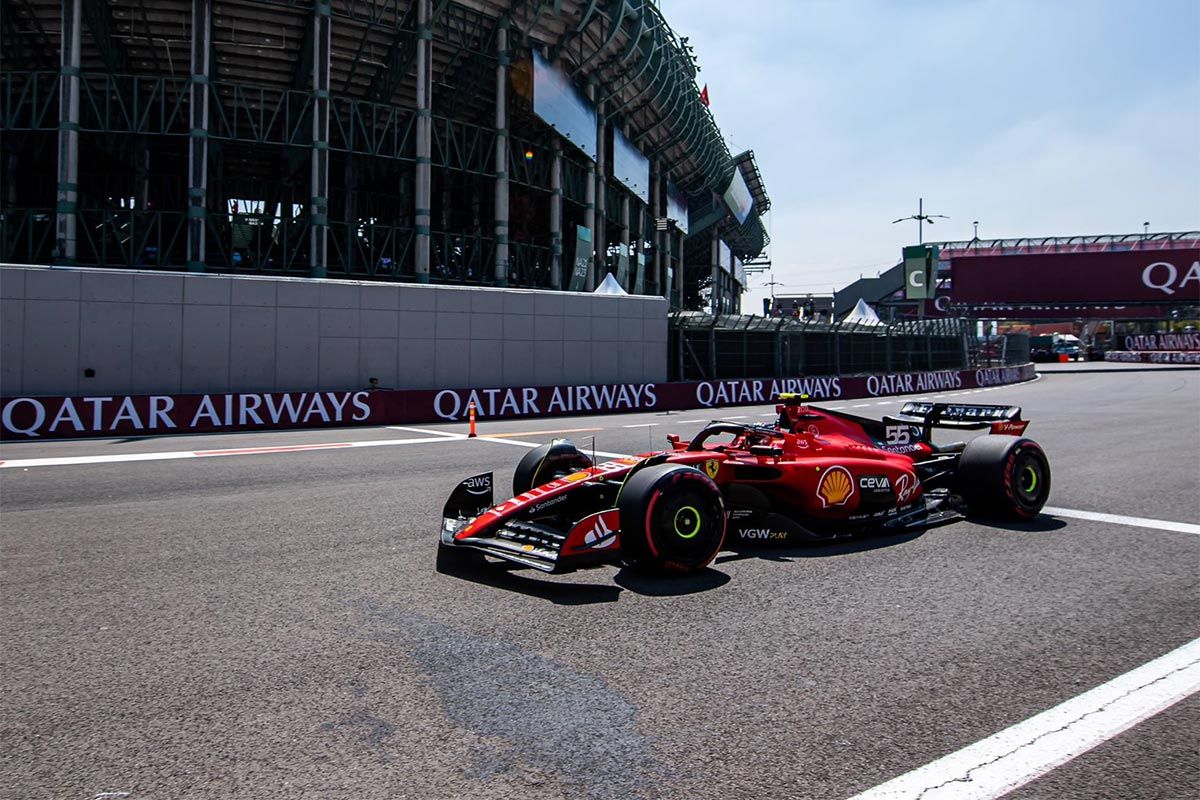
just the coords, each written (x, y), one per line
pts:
(1003, 476)
(545, 463)
(672, 519)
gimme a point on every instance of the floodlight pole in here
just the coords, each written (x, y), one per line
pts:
(921, 217)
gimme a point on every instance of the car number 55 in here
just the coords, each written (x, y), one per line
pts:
(898, 434)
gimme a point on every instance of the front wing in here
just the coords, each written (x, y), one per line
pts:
(552, 544)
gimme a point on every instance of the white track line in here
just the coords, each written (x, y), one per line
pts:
(429, 432)
(1117, 519)
(583, 449)
(643, 425)
(66, 461)
(1011, 758)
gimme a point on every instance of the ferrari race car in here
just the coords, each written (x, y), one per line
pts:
(813, 475)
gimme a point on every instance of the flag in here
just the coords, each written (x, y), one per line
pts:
(704, 95)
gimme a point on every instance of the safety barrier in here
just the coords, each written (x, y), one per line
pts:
(31, 418)
(1154, 356)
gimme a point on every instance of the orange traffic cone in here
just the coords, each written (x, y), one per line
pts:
(471, 416)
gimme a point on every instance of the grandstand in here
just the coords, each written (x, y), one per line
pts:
(514, 143)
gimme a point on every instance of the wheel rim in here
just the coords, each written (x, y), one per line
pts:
(687, 522)
(686, 525)
(1030, 480)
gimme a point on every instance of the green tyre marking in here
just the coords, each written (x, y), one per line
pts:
(1031, 474)
(693, 521)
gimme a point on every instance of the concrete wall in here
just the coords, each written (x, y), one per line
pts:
(165, 333)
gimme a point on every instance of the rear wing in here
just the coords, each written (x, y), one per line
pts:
(999, 419)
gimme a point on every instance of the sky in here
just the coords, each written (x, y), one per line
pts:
(1033, 117)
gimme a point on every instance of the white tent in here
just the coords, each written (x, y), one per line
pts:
(863, 314)
(609, 286)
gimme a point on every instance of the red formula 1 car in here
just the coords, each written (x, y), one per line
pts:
(812, 476)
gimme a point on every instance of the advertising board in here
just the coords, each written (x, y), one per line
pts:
(630, 167)
(737, 197)
(36, 418)
(562, 106)
(1127, 276)
(677, 206)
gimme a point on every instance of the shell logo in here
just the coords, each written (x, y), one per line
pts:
(835, 487)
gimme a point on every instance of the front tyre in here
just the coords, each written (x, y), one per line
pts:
(546, 462)
(672, 519)
(1004, 476)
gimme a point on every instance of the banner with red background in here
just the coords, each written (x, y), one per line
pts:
(25, 418)
(1109, 278)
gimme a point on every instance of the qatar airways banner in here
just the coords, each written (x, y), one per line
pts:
(1129, 276)
(1186, 342)
(142, 415)
(1153, 357)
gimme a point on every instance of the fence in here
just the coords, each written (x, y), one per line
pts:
(715, 347)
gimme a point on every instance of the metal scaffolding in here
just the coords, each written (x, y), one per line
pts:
(305, 137)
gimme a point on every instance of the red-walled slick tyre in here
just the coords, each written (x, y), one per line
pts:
(1003, 476)
(546, 462)
(672, 519)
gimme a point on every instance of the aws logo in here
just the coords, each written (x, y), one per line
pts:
(836, 487)
(480, 484)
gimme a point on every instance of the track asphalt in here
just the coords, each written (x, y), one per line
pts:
(269, 624)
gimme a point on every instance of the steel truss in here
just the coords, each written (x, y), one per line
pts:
(135, 126)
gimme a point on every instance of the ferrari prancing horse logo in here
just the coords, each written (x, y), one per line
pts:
(711, 467)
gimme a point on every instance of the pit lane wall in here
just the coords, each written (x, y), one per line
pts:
(28, 418)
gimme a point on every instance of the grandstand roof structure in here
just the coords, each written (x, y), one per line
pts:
(412, 118)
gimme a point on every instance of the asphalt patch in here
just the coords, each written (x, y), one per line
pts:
(552, 717)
